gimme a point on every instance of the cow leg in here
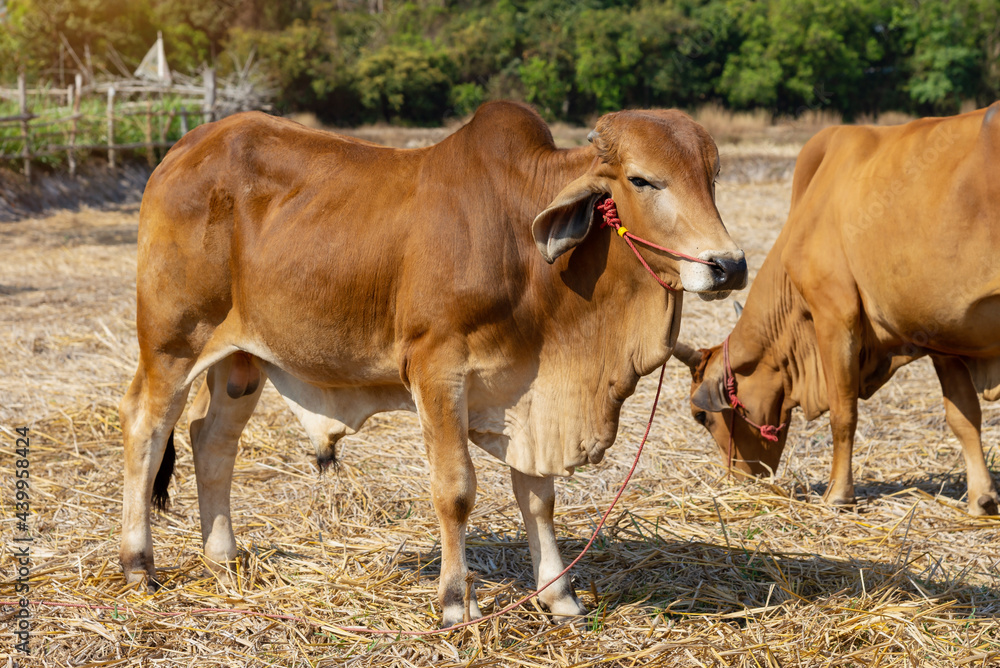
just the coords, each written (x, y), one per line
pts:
(148, 412)
(838, 340)
(443, 410)
(536, 498)
(217, 420)
(962, 411)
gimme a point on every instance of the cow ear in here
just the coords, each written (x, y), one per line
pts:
(566, 221)
(710, 395)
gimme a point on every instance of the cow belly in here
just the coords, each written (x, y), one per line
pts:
(328, 414)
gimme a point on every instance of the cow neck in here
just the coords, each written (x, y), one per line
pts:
(775, 331)
(552, 169)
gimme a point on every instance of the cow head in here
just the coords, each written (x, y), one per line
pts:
(660, 168)
(760, 389)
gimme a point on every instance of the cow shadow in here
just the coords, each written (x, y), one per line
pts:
(682, 578)
(94, 187)
(950, 484)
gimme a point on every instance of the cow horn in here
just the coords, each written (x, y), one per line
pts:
(687, 354)
(738, 308)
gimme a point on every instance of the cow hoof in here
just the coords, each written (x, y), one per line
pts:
(567, 609)
(224, 569)
(840, 501)
(454, 615)
(576, 619)
(448, 622)
(140, 572)
(985, 505)
(142, 583)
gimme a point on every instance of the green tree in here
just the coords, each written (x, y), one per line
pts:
(955, 52)
(546, 87)
(607, 58)
(405, 83)
(808, 54)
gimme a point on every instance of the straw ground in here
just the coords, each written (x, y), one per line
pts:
(695, 569)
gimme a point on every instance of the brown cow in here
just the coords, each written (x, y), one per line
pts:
(891, 252)
(469, 281)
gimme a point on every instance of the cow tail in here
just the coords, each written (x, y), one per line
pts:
(160, 494)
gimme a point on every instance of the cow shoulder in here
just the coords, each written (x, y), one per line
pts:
(989, 140)
(814, 256)
(991, 124)
(809, 160)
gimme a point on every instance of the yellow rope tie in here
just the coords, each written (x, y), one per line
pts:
(622, 230)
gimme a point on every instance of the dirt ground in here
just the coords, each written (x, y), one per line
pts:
(695, 570)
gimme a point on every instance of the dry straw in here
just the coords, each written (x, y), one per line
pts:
(696, 570)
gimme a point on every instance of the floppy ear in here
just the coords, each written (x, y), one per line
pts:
(688, 355)
(710, 395)
(566, 221)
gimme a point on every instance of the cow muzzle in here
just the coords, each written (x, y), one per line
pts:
(727, 272)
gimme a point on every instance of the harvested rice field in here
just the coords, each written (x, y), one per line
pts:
(693, 569)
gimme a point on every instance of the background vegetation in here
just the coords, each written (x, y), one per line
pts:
(421, 62)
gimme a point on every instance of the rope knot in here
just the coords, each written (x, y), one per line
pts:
(734, 399)
(770, 432)
(609, 210)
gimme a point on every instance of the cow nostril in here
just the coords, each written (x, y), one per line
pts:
(718, 271)
(729, 274)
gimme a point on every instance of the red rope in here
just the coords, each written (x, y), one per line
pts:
(609, 209)
(767, 431)
(362, 629)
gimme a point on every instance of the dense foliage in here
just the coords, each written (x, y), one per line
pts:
(420, 62)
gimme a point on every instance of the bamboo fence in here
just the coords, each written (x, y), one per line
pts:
(57, 130)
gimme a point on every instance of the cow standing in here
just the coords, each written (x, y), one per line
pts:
(469, 281)
(891, 252)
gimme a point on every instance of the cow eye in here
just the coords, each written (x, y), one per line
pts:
(700, 417)
(639, 182)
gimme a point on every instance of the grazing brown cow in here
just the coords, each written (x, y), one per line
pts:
(891, 252)
(470, 281)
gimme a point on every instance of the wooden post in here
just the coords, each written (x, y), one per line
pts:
(74, 124)
(184, 121)
(22, 98)
(111, 127)
(209, 106)
(70, 160)
(150, 151)
(165, 127)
